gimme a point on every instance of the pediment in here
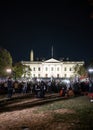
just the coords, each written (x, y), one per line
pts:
(52, 60)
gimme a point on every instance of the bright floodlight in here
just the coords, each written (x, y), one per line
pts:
(90, 70)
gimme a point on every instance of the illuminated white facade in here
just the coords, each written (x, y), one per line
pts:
(52, 68)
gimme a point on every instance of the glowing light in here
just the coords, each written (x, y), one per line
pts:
(90, 70)
(8, 71)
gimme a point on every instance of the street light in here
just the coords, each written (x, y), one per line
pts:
(90, 72)
(9, 71)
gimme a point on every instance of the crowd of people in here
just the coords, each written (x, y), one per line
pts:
(40, 88)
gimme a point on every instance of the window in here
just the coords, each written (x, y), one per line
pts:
(34, 75)
(34, 69)
(46, 69)
(57, 68)
(38, 75)
(57, 75)
(46, 75)
(38, 68)
(65, 69)
(70, 69)
(51, 68)
(65, 75)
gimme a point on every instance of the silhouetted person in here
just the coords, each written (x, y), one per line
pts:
(9, 87)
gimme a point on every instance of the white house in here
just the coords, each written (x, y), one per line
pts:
(51, 68)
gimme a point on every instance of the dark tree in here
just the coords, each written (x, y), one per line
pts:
(5, 62)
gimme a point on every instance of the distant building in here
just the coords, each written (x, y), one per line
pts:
(51, 68)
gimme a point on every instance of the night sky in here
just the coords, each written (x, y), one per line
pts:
(68, 26)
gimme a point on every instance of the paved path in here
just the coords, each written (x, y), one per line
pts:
(21, 95)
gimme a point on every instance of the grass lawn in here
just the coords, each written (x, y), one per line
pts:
(71, 114)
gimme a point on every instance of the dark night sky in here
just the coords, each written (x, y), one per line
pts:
(68, 26)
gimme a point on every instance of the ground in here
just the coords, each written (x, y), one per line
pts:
(28, 118)
(60, 115)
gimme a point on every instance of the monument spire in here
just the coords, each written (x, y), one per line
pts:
(31, 55)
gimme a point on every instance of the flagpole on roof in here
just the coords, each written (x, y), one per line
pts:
(52, 51)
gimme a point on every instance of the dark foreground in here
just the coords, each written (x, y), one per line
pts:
(70, 114)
